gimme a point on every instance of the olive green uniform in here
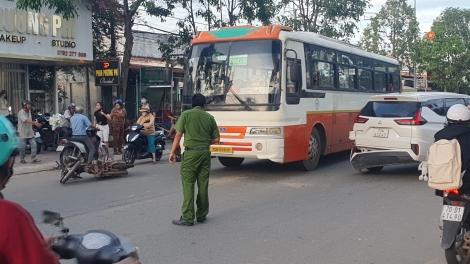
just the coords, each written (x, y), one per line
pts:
(199, 129)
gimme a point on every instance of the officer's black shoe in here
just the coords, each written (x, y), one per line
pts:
(181, 222)
(201, 220)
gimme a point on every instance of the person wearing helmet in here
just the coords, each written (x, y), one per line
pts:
(26, 133)
(66, 128)
(80, 123)
(21, 241)
(457, 127)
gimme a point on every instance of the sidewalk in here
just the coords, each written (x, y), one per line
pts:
(48, 161)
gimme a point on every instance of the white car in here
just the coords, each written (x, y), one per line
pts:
(395, 129)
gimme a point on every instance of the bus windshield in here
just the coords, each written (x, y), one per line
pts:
(235, 76)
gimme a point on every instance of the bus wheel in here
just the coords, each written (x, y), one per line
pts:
(231, 162)
(314, 151)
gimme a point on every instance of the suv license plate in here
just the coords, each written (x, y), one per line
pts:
(452, 213)
(381, 132)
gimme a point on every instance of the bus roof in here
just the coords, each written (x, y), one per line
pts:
(239, 33)
(248, 32)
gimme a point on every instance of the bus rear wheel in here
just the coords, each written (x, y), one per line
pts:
(314, 152)
(230, 162)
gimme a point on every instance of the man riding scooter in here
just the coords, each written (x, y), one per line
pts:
(80, 123)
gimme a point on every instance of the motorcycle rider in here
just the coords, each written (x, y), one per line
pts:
(68, 115)
(20, 240)
(80, 123)
(457, 127)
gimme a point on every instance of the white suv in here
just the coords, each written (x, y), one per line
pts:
(397, 129)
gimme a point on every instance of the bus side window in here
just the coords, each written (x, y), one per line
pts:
(324, 74)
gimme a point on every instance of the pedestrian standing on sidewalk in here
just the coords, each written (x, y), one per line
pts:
(66, 128)
(100, 121)
(200, 131)
(26, 132)
(147, 120)
(118, 118)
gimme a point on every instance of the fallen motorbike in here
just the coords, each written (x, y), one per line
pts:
(136, 146)
(161, 127)
(455, 225)
(74, 155)
(92, 247)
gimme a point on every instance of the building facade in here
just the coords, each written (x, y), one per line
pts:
(30, 39)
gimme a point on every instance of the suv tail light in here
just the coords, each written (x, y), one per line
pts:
(417, 120)
(359, 119)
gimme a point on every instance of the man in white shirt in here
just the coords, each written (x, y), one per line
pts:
(26, 132)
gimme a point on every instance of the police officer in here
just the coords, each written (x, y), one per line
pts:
(200, 131)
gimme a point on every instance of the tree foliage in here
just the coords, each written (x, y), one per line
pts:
(124, 10)
(393, 31)
(331, 18)
(447, 56)
(215, 14)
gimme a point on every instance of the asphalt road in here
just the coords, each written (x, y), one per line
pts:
(260, 212)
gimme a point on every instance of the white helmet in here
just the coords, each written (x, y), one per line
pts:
(458, 113)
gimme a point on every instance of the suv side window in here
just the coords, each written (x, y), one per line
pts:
(436, 105)
(453, 101)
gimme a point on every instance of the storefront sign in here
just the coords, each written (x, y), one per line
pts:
(156, 76)
(107, 73)
(44, 35)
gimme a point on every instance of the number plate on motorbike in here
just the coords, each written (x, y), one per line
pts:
(60, 148)
(452, 213)
(222, 149)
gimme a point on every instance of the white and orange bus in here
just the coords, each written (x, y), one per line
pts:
(282, 95)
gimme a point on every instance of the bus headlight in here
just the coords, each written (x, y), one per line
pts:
(266, 131)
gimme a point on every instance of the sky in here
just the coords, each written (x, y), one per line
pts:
(426, 10)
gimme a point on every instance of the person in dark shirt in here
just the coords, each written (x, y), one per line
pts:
(101, 121)
(457, 127)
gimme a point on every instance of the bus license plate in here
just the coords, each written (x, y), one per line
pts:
(452, 213)
(381, 133)
(222, 149)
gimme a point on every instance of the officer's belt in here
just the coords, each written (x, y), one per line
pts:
(195, 148)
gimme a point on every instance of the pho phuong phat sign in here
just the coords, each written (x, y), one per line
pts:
(107, 73)
(26, 34)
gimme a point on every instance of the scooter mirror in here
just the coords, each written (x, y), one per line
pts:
(52, 218)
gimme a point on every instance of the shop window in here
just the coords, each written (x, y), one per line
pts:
(12, 85)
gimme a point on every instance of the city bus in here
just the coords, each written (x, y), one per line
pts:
(281, 95)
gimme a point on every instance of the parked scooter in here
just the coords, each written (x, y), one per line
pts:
(12, 118)
(161, 127)
(137, 145)
(50, 138)
(75, 153)
(92, 247)
(455, 225)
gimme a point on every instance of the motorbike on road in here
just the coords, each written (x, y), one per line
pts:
(74, 153)
(137, 145)
(455, 225)
(92, 247)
